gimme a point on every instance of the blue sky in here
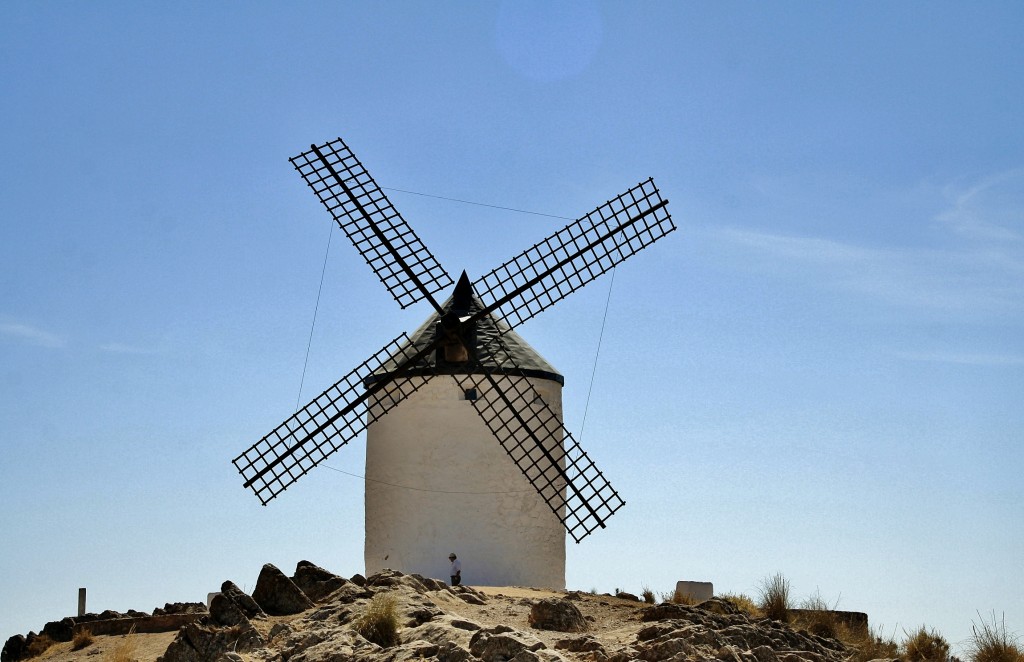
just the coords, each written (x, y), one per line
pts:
(820, 373)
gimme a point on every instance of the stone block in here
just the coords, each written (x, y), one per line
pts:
(699, 591)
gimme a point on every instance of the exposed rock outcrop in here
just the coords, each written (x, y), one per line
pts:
(560, 615)
(316, 582)
(278, 595)
(312, 618)
(206, 643)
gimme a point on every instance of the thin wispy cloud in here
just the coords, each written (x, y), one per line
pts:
(977, 267)
(31, 335)
(992, 209)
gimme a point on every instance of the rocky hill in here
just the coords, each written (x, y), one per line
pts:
(312, 617)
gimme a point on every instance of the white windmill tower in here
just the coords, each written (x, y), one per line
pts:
(465, 444)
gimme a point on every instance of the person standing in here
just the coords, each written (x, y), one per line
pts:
(456, 573)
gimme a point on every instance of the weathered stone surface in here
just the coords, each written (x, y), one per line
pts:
(584, 644)
(452, 652)
(627, 596)
(169, 608)
(557, 614)
(719, 606)
(358, 579)
(667, 610)
(141, 625)
(279, 630)
(501, 643)
(203, 643)
(225, 612)
(242, 600)
(13, 649)
(61, 630)
(468, 594)
(316, 582)
(278, 595)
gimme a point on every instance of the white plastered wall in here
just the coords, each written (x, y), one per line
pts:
(471, 497)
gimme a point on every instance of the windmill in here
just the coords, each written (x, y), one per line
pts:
(462, 376)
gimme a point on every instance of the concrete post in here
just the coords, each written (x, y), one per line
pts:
(81, 602)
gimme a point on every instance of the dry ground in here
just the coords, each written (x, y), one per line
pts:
(612, 621)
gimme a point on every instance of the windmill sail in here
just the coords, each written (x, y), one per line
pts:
(533, 436)
(373, 225)
(330, 421)
(552, 269)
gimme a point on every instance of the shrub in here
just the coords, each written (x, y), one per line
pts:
(924, 645)
(81, 639)
(744, 603)
(379, 623)
(992, 642)
(775, 597)
(124, 649)
(648, 595)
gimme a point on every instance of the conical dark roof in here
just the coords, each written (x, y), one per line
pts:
(525, 357)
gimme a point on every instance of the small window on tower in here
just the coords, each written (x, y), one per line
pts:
(471, 394)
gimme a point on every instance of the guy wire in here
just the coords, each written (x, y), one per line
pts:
(323, 270)
(600, 337)
(479, 204)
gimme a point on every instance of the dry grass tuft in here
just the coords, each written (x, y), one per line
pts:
(379, 623)
(647, 594)
(744, 603)
(81, 639)
(992, 642)
(124, 649)
(818, 617)
(924, 645)
(775, 603)
(870, 645)
(39, 646)
(678, 598)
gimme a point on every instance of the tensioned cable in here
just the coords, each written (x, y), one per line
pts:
(600, 337)
(479, 204)
(323, 270)
(418, 489)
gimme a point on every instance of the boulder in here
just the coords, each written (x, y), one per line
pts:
(278, 595)
(225, 612)
(316, 582)
(358, 580)
(452, 652)
(627, 596)
(13, 649)
(584, 644)
(61, 630)
(720, 606)
(557, 614)
(501, 643)
(241, 599)
(203, 643)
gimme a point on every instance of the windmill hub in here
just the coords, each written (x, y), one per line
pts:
(456, 328)
(424, 439)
